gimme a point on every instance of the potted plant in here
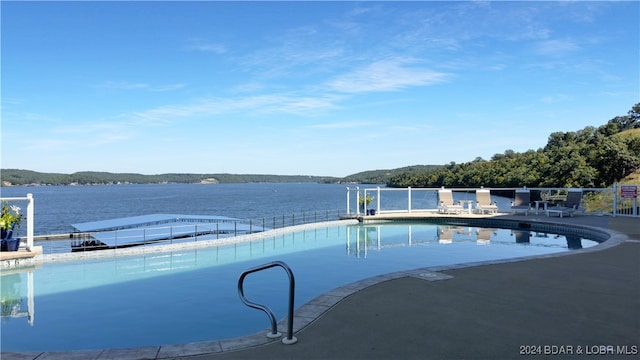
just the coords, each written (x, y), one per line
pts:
(364, 200)
(10, 219)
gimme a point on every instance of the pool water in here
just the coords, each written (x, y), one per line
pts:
(191, 296)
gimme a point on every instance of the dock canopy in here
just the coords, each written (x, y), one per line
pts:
(138, 230)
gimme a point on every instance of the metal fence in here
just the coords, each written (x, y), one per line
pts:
(163, 235)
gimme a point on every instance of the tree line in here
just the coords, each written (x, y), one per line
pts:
(28, 177)
(591, 157)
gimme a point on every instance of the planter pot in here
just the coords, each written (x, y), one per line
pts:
(10, 245)
(8, 242)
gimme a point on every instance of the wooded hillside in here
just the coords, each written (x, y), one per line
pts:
(591, 157)
(27, 177)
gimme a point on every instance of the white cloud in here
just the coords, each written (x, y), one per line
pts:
(302, 105)
(343, 125)
(125, 85)
(11, 101)
(550, 99)
(386, 75)
(206, 46)
(555, 47)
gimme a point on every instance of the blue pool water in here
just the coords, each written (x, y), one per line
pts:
(189, 296)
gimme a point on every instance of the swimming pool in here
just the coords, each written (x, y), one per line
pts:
(191, 295)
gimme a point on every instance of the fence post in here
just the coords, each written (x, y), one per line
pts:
(615, 199)
(409, 198)
(30, 222)
(366, 210)
(378, 200)
(357, 200)
(348, 196)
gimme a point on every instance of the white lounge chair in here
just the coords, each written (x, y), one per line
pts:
(483, 235)
(484, 203)
(572, 205)
(446, 204)
(522, 202)
(445, 235)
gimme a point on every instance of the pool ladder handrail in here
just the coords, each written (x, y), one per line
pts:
(290, 339)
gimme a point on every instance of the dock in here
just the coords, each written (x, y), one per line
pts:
(144, 229)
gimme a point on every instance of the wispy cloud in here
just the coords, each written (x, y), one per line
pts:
(259, 104)
(206, 46)
(386, 75)
(11, 101)
(343, 125)
(63, 137)
(555, 47)
(556, 98)
(293, 59)
(125, 85)
(48, 144)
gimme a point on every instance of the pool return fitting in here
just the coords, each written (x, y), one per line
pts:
(290, 339)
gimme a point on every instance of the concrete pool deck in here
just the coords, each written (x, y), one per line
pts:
(580, 305)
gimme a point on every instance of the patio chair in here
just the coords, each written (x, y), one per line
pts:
(446, 205)
(445, 235)
(522, 236)
(484, 203)
(572, 205)
(522, 202)
(483, 235)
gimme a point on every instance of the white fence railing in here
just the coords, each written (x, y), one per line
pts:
(619, 200)
(29, 216)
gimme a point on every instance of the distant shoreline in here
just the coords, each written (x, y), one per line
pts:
(16, 177)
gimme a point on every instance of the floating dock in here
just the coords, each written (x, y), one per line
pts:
(144, 229)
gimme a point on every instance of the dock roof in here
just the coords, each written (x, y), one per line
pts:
(147, 220)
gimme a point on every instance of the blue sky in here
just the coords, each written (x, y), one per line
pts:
(305, 88)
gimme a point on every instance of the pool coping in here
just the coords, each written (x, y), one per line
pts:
(313, 310)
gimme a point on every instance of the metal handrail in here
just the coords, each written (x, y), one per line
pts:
(290, 339)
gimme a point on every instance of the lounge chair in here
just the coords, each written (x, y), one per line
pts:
(445, 235)
(484, 203)
(446, 204)
(572, 205)
(483, 235)
(522, 236)
(522, 202)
